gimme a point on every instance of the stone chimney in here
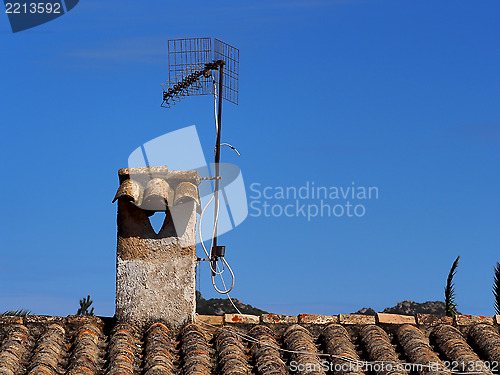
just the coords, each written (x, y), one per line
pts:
(155, 272)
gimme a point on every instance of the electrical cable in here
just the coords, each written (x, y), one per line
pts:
(215, 104)
(200, 233)
(225, 264)
(227, 144)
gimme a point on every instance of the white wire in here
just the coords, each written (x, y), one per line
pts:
(216, 118)
(215, 106)
(201, 236)
(345, 358)
(225, 264)
(233, 148)
(232, 303)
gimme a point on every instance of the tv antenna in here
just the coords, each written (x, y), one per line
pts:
(195, 69)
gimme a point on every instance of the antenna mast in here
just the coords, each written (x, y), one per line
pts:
(191, 63)
(215, 250)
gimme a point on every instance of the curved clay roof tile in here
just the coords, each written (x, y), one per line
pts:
(186, 191)
(129, 189)
(157, 195)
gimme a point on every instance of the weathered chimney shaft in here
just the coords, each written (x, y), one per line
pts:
(155, 272)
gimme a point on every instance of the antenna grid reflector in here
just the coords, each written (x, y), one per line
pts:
(231, 56)
(186, 56)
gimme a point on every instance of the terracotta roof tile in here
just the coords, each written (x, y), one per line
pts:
(122, 351)
(231, 353)
(130, 190)
(14, 349)
(158, 358)
(463, 320)
(379, 348)
(211, 319)
(87, 344)
(433, 320)
(338, 343)
(356, 319)
(394, 319)
(317, 319)
(453, 344)
(299, 341)
(265, 352)
(486, 337)
(241, 318)
(93, 346)
(155, 188)
(278, 318)
(195, 352)
(416, 347)
(48, 351)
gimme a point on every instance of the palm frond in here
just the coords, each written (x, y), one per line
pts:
(496, 288)
(449, 291)
(16, 313)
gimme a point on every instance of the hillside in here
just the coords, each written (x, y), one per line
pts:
(221, 306)
(409, 308)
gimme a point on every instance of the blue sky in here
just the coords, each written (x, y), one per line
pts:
(394, 94)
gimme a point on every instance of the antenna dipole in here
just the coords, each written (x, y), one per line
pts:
(185, 85)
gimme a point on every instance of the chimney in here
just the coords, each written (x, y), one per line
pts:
(155, 272)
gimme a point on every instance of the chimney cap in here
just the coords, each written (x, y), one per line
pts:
(145, 186)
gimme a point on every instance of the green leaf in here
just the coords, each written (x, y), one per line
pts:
(16, 313)
(496, 287)
(449, 291)
(84, 307)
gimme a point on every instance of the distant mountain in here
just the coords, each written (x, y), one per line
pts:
(409, 308)
(221, 306)
(366, 311)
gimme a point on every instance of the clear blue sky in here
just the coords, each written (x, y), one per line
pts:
(394, 94)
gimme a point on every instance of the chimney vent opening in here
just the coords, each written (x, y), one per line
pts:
(157, 220)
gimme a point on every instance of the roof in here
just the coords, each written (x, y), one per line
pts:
(154, 188)
(244, 344)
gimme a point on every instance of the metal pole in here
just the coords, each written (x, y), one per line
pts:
(217, 160)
